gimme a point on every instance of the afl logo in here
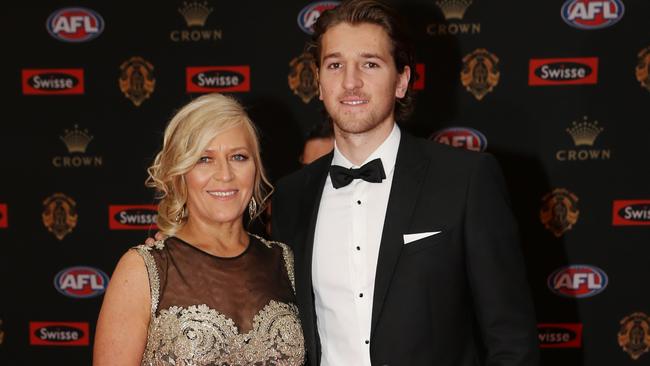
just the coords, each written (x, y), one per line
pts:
(310, 14)
(464, 137)
(577, 281)
(75, 24)
(592, 14)
(81, 282)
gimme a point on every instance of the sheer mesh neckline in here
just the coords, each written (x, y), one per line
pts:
(209, 311)
(250, 242)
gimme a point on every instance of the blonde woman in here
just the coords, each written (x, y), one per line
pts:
(211, 293)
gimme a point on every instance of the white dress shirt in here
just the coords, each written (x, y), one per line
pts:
(346, 247)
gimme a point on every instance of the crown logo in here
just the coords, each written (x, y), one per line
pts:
(76, 140)
(195, 13)
(584, 133)
(454, 9)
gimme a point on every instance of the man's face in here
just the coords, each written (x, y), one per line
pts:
(358, 78)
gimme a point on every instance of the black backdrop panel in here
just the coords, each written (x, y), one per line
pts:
(556, 90)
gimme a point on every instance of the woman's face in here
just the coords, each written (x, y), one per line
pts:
(221, 183)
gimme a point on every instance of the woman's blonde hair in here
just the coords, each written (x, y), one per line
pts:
(187, 135)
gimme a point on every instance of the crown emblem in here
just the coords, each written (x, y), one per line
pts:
(76, 140)
(195, 13)
(454, 9)
(584, 133)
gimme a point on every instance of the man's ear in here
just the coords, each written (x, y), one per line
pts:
(403, 82)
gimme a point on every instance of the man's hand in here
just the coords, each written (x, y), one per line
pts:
(157, 236)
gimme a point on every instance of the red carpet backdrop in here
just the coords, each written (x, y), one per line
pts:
(557, 90)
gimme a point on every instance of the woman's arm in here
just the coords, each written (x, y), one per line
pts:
(121, 334)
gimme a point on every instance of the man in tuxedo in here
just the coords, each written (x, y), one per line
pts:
(406, 251)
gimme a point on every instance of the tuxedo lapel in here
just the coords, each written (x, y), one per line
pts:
(410, 169)
(310, 202)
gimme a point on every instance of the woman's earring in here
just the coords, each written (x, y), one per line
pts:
(252, 208)
(180, 216)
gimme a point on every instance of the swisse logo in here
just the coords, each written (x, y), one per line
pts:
(577, 281)
(53, 81)
(81, 282)
(560, 335)
(75, 24)
(631, 213)
(58, 334)
(4, 221)
(132, 217)
(209, 79)
(463, 137)
(592, 14)
(563, 71)
(310, 14)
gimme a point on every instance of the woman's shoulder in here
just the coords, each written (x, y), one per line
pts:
(153, 253)
(287, 254)
(271, 243)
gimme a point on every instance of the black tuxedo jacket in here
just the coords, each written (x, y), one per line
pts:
(453, 299)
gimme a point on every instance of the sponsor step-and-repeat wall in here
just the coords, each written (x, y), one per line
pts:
(556, 90)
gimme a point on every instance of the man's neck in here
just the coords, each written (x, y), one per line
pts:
(357, 147)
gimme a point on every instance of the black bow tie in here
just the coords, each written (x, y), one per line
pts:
(372, 171)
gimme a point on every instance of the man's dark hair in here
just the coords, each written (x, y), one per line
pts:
(321, 130)
(373, 12)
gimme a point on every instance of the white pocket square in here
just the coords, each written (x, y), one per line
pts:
(408, 238)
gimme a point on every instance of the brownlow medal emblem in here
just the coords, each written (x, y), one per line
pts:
(559, 211)
(480, 72)
(303, 77)
(643, 68)
(59, 215)
(634, 335)
(136, 80)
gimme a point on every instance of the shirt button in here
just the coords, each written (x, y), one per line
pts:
(358, 248)
(358, 202)
(367, 341)
(361, 295)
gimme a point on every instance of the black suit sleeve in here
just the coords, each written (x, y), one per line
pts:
(283, 210)
(495, 267)
(277, 213)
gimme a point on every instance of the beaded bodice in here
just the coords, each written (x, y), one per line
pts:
(208, 310)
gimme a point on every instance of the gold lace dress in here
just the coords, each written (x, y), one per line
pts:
(213, 311)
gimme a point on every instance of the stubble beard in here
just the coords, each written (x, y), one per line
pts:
(352, 124)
